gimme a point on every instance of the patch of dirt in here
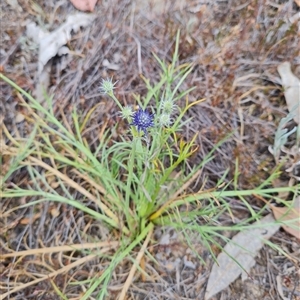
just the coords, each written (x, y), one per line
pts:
(235, 47)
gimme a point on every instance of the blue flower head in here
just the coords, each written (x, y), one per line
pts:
(142, 120)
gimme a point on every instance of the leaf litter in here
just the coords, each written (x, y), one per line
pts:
(291, 214)
(211, 76)
(52, 44)
(238, 256)
(291, 85)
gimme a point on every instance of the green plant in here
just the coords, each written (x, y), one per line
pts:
(131, 182)
(282, 134)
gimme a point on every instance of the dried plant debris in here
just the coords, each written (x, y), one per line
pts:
(238, 256)
(291, 85)
(290, 214)
(52, 44)
(293, 163)
(226, 40)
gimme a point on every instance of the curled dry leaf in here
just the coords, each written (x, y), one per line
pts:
(52, 44)
(84, 5)
(242, 250)
(291, 85)
(289, 214)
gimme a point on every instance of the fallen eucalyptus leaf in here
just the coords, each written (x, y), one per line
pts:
(291, 85)
(289, 214)
(241, 250)
(52, 44)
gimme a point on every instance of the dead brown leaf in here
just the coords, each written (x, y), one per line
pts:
(288, 214)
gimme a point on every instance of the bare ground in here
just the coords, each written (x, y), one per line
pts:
(235, 47)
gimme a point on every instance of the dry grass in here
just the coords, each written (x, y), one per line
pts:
(235, 49)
